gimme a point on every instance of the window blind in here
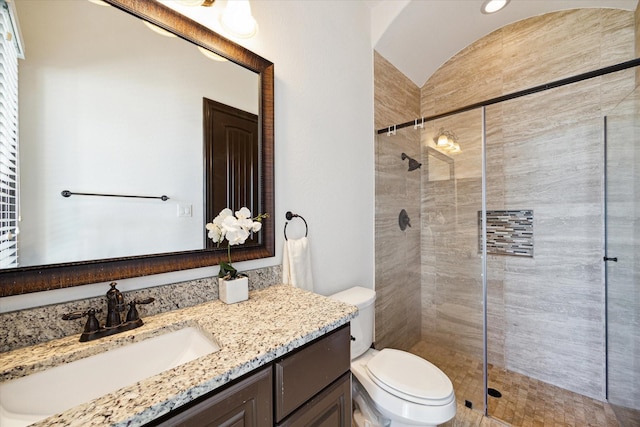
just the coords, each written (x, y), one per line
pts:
(9, 178)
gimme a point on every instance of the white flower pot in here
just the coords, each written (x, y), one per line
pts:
(232, 291)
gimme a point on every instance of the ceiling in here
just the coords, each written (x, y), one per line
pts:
(418, 36)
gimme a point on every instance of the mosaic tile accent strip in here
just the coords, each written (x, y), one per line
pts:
(508, 232)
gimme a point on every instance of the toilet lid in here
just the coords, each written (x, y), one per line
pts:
(410, 377)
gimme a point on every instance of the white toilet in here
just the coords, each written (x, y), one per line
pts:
(403, 387)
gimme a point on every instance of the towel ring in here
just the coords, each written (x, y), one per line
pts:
(289, 217)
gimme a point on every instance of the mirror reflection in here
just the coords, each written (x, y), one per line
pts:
(108, 106)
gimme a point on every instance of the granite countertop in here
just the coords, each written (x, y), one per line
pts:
(252, 333)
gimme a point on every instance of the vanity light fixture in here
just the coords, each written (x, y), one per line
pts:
(237, 19)
(205, 3)
(234, 16)
(211, 55)
(206, 52)
(447, 141)
(158, 30)
(492, 6)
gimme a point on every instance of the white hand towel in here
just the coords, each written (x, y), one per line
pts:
(296, 264)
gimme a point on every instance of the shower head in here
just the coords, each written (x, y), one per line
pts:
(413, 164)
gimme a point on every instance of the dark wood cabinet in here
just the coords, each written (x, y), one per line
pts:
(301, 375)
(310, 386)
(330, 408)
(247, 403)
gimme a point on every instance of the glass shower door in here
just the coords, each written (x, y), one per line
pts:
(452, 258)
(622, 258)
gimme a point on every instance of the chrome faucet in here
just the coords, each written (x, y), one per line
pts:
(114, 323)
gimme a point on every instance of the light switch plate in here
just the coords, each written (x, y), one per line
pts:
(184, 210)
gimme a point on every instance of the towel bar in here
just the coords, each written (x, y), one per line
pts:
(289, 217)
(67, 193)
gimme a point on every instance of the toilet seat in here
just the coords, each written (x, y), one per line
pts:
(410, 377)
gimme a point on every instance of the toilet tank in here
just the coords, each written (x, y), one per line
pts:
(362, 326)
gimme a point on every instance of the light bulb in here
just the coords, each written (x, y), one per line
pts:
(237, 19)
(492, 6)
(158, 30)
(190, 3)
(211, 55)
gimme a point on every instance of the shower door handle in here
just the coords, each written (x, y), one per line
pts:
(614, 259)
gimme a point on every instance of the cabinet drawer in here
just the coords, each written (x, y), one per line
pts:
(300, 376)
(331, 408)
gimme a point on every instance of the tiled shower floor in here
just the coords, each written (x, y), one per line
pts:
(524, 402)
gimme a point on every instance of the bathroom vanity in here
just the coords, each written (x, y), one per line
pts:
(311, 384)
(281, 358)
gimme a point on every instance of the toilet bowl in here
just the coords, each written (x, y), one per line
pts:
(413, 394)
(404, 388)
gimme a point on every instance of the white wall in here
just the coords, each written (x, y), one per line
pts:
(324, 131)
(323, 142)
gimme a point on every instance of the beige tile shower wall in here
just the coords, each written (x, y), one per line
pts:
(637, 40)
(397, 253)
(545, 314)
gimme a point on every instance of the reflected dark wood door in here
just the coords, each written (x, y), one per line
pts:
(232, 175)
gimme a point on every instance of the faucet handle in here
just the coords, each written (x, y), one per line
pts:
(74, 315)
(78, 314)
(92, 324)
(132, 314)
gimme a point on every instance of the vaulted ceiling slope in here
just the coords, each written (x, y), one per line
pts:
(418, 36)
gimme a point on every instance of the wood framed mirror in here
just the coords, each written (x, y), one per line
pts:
(48, 276)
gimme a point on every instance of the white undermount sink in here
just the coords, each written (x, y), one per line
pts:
(26, 400)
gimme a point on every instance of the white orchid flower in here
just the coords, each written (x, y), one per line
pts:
(237, 237)
(246, 223)
(243, 213)
(235, 233)
(224, 213)
(215, 232)
(236, 229)
(229, 223)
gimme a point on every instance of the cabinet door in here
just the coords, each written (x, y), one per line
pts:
(331, 408)
(303, 374)
(247, 403)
